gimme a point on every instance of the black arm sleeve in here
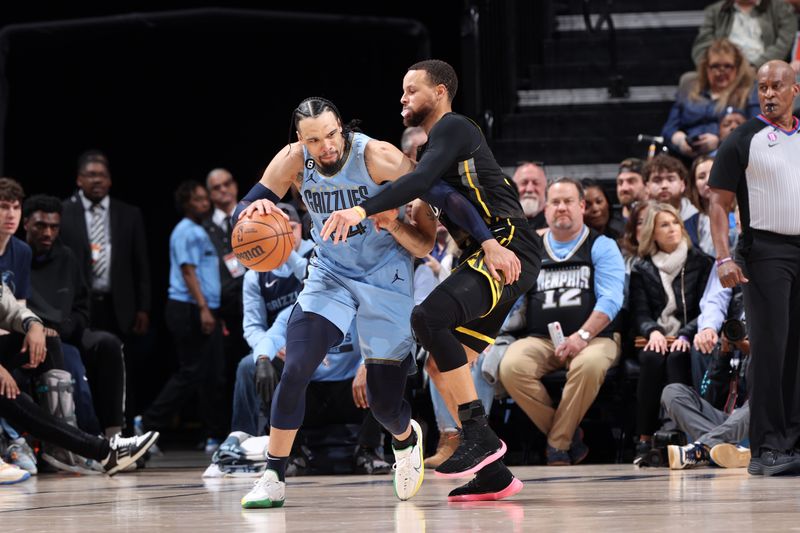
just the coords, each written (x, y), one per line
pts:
(258, 192)
(448, 139)
(458, 209)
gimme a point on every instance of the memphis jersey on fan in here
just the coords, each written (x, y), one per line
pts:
(366, 250)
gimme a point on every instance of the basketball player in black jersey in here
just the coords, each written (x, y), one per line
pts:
(463, 314)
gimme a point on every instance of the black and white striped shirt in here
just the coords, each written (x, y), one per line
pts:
(760, 162)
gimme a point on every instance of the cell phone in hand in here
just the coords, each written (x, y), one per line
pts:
(556, 333)
(694, 139)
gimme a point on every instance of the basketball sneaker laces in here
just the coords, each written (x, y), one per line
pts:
(404, 464)
(264, 483)
(474, 446)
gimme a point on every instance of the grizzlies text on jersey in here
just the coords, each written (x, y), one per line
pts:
(365, 250)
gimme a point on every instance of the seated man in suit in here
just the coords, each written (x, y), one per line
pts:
(580, 285)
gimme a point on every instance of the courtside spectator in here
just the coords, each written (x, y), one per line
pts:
(192, 304)
(732, 119)
(223, 192)
(413, 137)
(531, 182)
(15, 254)
(630, 184)
(108, 237)
(60, 297)
(666, 179)
(667, 285)
(723, 79)
(580, 286)
(598, 214)
(762, 29)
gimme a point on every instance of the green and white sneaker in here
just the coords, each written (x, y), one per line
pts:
(267, 492)
(409, 467)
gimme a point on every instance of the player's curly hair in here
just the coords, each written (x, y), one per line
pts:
(440, 73)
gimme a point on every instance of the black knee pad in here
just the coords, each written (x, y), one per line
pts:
(385, 393)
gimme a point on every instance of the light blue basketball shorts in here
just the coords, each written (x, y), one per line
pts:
(380, 303)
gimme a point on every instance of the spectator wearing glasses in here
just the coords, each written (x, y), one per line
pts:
(223, 192)
(723, 79)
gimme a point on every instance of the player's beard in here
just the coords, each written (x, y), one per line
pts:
(329, 169)
(416, 118)
(530, 206)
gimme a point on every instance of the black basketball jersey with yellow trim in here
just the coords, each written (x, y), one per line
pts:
(475, 174)
(564, 290)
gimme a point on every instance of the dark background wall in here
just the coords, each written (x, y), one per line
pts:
(168, 100)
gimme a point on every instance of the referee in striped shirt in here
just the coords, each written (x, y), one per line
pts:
(759, 166)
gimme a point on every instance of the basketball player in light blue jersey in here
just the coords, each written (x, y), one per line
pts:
(369, 280)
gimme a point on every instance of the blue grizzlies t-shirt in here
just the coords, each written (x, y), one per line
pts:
(365, 250)
(15, 268)
(189, 244)
(342, 361)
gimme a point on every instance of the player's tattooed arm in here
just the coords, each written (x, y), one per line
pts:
(298, 180)
(278, 177)
(417, 234)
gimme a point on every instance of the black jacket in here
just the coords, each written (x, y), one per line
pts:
(130, 267)
(648, 297)
(59, 294)
(231, 288)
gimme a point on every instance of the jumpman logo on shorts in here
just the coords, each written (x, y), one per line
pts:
(397, 276)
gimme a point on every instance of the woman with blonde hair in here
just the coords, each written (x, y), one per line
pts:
(667, 285)
(723, 82)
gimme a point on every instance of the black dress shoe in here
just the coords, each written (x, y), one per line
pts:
(774, 463)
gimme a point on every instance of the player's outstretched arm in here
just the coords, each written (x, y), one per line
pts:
(388, 165)
(285, 169)
(385, 163)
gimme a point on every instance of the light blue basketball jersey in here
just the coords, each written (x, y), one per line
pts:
(366, 250)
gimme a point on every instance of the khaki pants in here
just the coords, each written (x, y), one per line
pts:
(528, 359)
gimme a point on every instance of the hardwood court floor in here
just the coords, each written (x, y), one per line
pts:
(581, 498)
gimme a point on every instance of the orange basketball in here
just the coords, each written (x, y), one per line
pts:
(262, 242)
